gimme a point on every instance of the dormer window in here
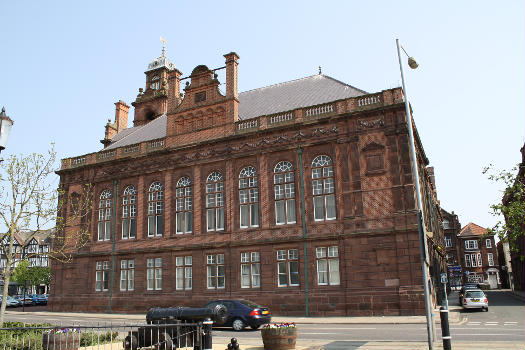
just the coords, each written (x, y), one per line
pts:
(155, 82)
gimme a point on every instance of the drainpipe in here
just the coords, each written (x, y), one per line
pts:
(113, 235)
(303, 210)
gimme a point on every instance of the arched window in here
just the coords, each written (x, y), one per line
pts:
(129, 213)
(215, 202)
(155, 210)
(184, 207)
(284, 193)
(104, 216)
(323, 188)
(248, 197)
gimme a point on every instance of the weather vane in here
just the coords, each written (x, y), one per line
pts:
(164, 42)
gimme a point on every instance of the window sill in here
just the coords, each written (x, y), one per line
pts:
(375, 172)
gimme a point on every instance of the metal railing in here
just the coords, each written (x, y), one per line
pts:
(176, 335)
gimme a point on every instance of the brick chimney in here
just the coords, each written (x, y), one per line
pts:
(231, 75)
(121, 115)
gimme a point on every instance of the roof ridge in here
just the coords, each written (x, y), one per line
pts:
(342, 82)
(283, 82)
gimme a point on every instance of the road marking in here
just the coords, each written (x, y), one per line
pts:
(511, 322)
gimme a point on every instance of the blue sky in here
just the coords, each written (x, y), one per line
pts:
(64, 63)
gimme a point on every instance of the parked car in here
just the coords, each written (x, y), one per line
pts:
(27, 301)
(41, 299)
(11, 302)
(466, 286)
(475, 299)
(242, 313)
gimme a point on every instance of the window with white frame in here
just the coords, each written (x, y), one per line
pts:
(323, 188)
(184, 207)
(215, 271)
(287, 268)
(248, 197)
(104, 216)
(448, 242)
(478, 258)
(184, 273)
(284, 193)
(471, 244)
(490, 258)
(129, 212)
(154, 274)
(488, 243)
(127, 275)
(250, 270)
(102, 276)
(215, 202)
(155, 209)
(467, 260)
(327, 265)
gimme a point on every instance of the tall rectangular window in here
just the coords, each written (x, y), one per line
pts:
(287, 268)
(323, 187)
(284, 193)
(184, 273)
(104, 216)
(490, 258)
(250, 270)
(478, 257)
(488, 243)
(129, 212)
(184, 206)
(215, 271)
(155, 209)
(248, 198)
(127, 275)
(448, 242)
(102, 276)
(154, 274)
(327, 265)
(467, 260)
(215, 202)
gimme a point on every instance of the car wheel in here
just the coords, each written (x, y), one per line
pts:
(255, 327)
(486, 309)
(238, 325)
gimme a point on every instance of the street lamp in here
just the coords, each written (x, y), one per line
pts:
(5, 128)
(420, 221)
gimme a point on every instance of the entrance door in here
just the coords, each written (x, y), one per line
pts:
(493, 281)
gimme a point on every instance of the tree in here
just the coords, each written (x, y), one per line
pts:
(31, 204)
(35, 275)
(511, 211)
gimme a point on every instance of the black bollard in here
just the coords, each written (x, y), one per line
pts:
(234, 345)
(445, 330)
(206, 339)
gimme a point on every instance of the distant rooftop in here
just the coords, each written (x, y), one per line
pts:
(473, 230)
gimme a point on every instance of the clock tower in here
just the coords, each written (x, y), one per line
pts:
(162, 90)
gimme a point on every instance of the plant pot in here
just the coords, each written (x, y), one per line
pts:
(61, 341)
(279, 338)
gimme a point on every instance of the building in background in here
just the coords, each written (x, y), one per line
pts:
(479, 256)
(298, 196)
(452, 228)
(505, 265)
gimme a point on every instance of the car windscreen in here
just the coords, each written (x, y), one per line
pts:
(475, 294)
(249, 304)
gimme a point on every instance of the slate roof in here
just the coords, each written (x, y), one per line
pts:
(472, 230)
(305, 92)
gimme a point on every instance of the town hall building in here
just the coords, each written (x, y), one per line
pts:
(298, 196)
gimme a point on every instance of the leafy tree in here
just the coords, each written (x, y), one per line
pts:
(35, 275)
(28, 207)
(511, 210)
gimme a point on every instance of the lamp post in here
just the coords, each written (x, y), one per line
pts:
(5, 128)
(420, 218)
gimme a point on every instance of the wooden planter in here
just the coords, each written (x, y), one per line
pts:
(61, 341)
(279, 338)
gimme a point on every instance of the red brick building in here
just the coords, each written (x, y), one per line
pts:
(452, 228)
(298, 196)
(479, 255)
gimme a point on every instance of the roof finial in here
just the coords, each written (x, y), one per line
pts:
(164, 42)
(320, 70)
(3, 110)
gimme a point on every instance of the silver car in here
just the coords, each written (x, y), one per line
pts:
(475, 299)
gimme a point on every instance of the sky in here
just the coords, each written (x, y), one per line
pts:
(63, 65)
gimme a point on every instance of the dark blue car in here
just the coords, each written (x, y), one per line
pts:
(242, 313)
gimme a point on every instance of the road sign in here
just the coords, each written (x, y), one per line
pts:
(444, 278)
(467, 272)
